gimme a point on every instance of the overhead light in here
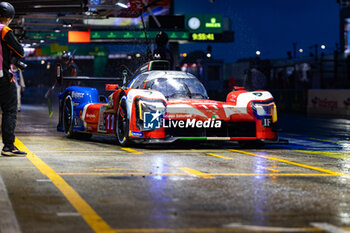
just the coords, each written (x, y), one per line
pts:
(138, 55)
(122, 5)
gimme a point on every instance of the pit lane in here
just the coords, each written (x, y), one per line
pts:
(70, 185)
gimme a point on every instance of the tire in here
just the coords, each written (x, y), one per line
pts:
(67, 119)
(68, 116)
(122, 124)
(251, 144)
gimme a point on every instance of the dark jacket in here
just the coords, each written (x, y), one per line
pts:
(10, 47)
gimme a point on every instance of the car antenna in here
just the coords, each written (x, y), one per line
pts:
(149, 55)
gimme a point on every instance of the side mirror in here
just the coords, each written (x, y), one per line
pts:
(102, 99)
(59, 73)
(111, 87)
(238, 88)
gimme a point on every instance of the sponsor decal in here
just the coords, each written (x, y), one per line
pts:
(347, 102)
(324, 103)
(192, 123)
(77, 95)
(314, 100)
(259, 94)
(90, 115)
(136, 134)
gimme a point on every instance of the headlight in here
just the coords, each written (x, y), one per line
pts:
(144, 107)
(274, 114)
(147, 106)
(262, 109)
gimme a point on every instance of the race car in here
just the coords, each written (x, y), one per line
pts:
(160, 105)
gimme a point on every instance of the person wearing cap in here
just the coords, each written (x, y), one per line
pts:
(10, 48)
(162, 52)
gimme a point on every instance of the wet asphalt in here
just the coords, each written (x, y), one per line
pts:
(71, 185)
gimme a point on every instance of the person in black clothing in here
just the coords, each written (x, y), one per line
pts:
(162, 52)
(68, 66)
(11, 50)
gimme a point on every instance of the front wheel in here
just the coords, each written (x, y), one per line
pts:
(122, 123)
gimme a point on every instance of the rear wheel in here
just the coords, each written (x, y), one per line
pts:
(67, 116)
(122, 124)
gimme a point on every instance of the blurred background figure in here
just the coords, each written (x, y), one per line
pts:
(254, 79)
(20, 84)
(69, 68)
(162, 52)
(68, 65)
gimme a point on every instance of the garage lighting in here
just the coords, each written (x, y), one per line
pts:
(138, 55)
(208, 55)
(323, 46)
(301, 50)
(122, 5)
(258, 53)
(42, 62)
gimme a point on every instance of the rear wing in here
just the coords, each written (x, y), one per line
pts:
(60, 78)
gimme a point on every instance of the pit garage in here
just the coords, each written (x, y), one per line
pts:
(296, 179)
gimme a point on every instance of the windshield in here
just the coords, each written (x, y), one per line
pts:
(178, 88)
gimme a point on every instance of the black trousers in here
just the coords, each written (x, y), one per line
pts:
(8, 103)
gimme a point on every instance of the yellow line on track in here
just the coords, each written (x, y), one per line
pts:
(38, 137)
(337, 155)
(205, 230)
(131, 150)
(97, 224)
(196, 173)
(272, 174)
(224, 157)
(120, 174)
(183, 151)
(115, 169)
(219, 156)
(290, 162)
(272, 170)
(192, 172)
(78, 151)
(322, 140)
